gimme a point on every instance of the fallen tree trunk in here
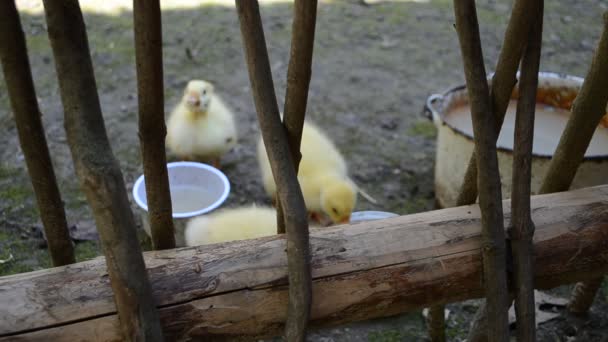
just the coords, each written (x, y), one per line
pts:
(360, 271)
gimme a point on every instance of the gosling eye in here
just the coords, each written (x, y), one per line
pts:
(204, 91)
(334, 210)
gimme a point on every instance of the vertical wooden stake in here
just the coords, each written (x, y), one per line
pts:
(152, 129)
(523, 14)
(289, 193)
(18, 77)
(516, 35)
(298, 80)
(488, 179)
(521, 230)
(99, 173)
(587, 112)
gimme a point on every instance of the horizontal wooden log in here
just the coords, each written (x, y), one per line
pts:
(360, 271)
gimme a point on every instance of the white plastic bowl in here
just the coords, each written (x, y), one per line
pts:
(196, 189)
(370, 215)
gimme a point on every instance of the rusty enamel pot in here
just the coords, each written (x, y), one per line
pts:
(450, 112)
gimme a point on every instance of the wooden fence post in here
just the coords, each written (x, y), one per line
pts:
(503, 81)
(289, 193)
(521, 230)
(488, 178)
(298, 80)
(587, 111)
(18, 77)
(99, 173)
(152, 129)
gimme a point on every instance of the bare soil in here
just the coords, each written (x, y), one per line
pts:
(373, 67)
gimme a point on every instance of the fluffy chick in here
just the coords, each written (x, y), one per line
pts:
(201, 126)
(323, 176)
(231, 224)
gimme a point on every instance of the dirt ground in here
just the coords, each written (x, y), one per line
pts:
(374, 65)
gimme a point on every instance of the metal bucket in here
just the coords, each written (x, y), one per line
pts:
(451, 114)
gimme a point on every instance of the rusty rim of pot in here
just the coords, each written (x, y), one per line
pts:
(554, 89)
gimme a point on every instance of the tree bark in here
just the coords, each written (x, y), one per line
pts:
(521, 231)
(435, 322)
(583, 295)
(298, 80)
(152, 129)
(361, 271)
(587, 111)
(504, 79)
(289, 194)
(22, 94)
(488, 178)
(516, 35)
(99, 173)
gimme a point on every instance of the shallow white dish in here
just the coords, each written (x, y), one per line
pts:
(196, 189)
(369, 215)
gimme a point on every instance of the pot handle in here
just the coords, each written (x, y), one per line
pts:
(429, 110)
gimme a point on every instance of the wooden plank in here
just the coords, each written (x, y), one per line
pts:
(360, 271)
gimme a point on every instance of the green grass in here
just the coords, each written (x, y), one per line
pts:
(86, 250)
(386, 336)
(27, 256)
(457, 328)
(415, 205)
(16, 194)
(424, 129)
(6, 171)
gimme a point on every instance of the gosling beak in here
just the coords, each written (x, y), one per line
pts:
(193, 100)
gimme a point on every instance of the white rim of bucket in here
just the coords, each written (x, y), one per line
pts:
(213, 206)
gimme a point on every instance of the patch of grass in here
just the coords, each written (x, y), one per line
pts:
(17, 199)
(458, 327)
(86, 250)
(386, 336)
(424, 129)
(15, 194)
(7, 171)
(416, 205)
(73, 198)
(27, 256)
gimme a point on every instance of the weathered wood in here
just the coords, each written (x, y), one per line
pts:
(435, 321)
(99, 173)
(298, 80)
(152, 129)
(20, 86)
(521, 230)
(289, 193)
(583, 295)
(488, 175)
(364, 270)
(587, 111)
